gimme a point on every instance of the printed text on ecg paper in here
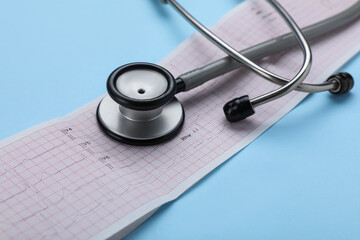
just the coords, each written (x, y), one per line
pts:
(68, 180)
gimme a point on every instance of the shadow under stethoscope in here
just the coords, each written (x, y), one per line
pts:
(170, 20)
(160, 9)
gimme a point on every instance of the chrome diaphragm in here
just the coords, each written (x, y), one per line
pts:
(140, 108)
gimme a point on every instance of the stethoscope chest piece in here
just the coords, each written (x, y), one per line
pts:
(141, 108)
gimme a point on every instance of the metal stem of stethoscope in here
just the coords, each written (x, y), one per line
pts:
(291, 85)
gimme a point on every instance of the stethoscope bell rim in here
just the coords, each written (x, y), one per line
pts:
(141, 104)
(131, 120)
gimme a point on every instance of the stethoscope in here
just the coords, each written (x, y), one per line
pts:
(141, 107)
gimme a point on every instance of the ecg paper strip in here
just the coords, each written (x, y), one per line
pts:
(65, 179)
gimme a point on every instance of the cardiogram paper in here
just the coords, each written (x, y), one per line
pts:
(65, 179)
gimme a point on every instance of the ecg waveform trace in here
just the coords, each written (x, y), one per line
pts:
(68, 180)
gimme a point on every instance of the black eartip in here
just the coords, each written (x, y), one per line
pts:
(238, 109)
(345, 82)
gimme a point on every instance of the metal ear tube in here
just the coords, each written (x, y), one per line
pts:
(141, 107)
(241, 107)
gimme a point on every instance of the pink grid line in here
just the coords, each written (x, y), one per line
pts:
(59, 183)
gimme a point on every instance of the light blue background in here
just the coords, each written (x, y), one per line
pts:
(299, 180)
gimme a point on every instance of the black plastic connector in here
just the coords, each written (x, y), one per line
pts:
(180, 85)
(344, 82)
(238, 109)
